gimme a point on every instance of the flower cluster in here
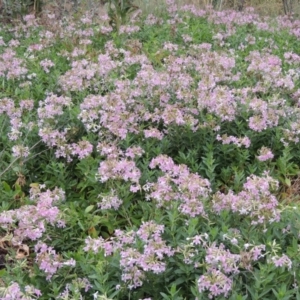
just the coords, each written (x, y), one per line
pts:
(48, 260)
(136, 261)
(73, 289)
(269, 67)
(219, 261)
(46, 64)
(82, 149)
(20, 151)
(17, 124)
(265, 115)
(215, 282)
(110, 201)
(84, 73)
(217, 257)
(14, 292)
(255, 200)
(265, 154)
(119, 164)
(11, 67)
(245, 141)
(178, 184)
(282, 261)
(29, 221)
(50, 109)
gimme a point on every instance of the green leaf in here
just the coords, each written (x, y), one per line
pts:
(287, 182)
(165, 296)
(89, 209)
(80, 225)
(214, 232)
(264, 292)
(6, 186)
(18, 187)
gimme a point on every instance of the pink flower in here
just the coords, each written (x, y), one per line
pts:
(265, 154)
(245, 141)
(255, 200)
(13, 292)
(46, 64)
(49, 261)
(153, 133)
(110, 201)
(136, 260)
(29, 221)
(20, 151)
(282, 261)
(215, 282)
(82, 149)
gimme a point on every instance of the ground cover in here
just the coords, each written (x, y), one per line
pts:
(151, 159)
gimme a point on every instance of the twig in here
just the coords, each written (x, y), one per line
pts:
(9, 166)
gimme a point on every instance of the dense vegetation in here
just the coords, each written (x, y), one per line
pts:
(150, 158)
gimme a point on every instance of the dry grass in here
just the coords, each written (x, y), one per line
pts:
(66, 7)
(263, 7)
(62, 8)
(291, 194)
